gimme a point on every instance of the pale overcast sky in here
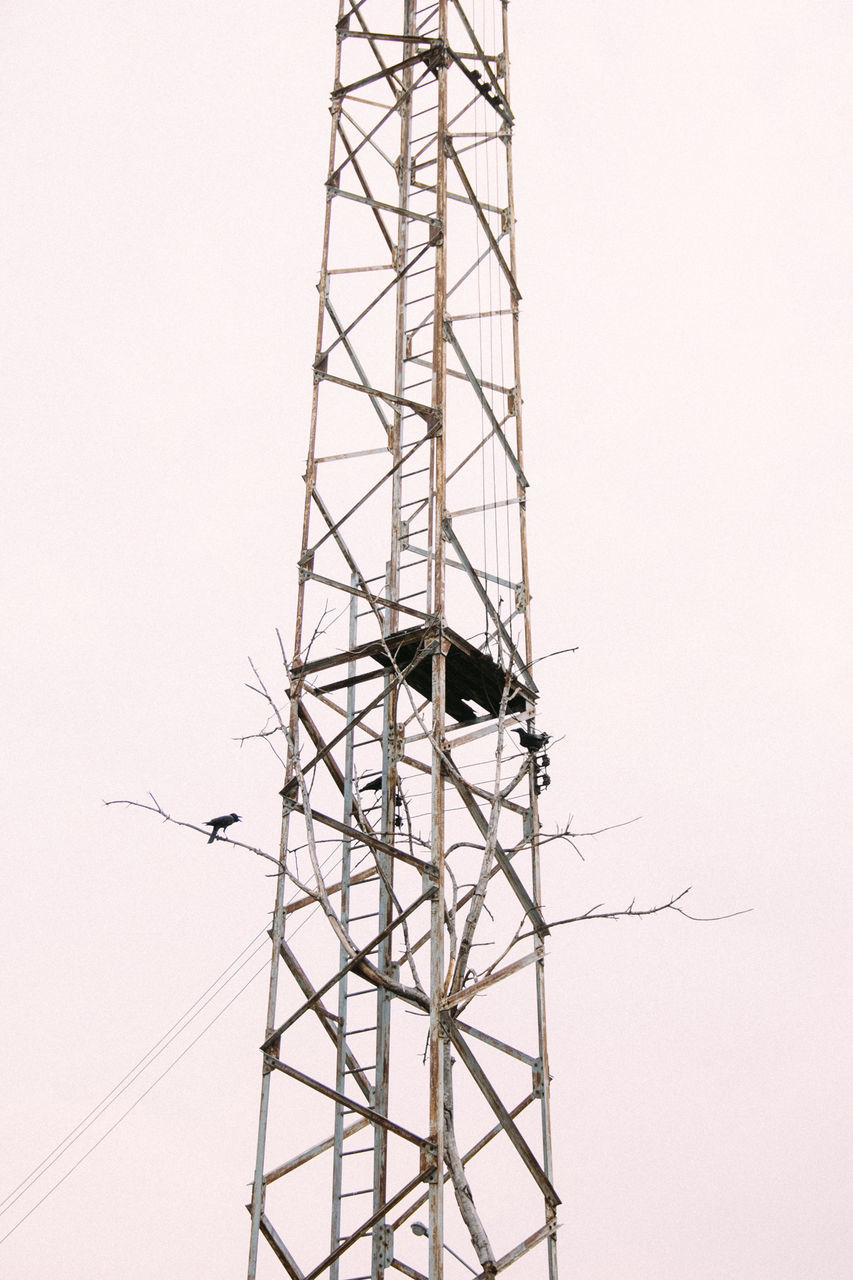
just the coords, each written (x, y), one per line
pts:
(685, 202)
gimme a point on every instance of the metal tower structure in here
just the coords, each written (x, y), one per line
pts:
(404, 1119)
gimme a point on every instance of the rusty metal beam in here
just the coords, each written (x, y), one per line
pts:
(305, 1157)
(487, 604)
(530, 907)
(424, 411)
(472, 35)
(365, 1226)
(359, 368)
(507, 1123)
(289, 790)
(485, 403)
(359, 835)
(497, 1044)
(365, 186)
(311, 900)
(398, 275)
(474, 988)
(381, 602)
(374, 488)
(484, 221)
(279, 1248)
(406, 1269)
(327, 1019)
(469, 1154)
(345, 90)
(373, 1117)
(352, 963)
(544, 1233)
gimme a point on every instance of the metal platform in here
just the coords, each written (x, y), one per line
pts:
(471, 676)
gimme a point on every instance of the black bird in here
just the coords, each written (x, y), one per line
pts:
(375, 784)
(532, 741)
(219, 824)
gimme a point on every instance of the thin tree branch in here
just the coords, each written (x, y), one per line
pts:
(156, 807)
(571, 836)
(594, 913)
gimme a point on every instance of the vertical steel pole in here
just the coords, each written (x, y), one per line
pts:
(343, 1018)
(536, 876)
(258, 1188)
(257, 1206)
(439, 406)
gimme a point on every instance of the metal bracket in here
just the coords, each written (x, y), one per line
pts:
(429, 1155)
(429, 880)
(383, 1235)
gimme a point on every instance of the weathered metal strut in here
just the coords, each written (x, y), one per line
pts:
(409, 886)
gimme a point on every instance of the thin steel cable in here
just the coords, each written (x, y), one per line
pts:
(505, 324)
(264, 969)
(480, 122)
(125, 1082)
(132, 1107)
(147, 1060)
(492, 266)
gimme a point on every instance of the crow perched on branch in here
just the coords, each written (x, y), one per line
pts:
(532, 741)
(219, 824)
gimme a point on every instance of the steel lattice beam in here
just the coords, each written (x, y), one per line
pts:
(409, 887)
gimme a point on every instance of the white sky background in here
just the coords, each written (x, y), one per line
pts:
(685, 200)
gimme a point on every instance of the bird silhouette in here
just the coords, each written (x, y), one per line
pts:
(219, 824)
(375, 784)
(532, 741)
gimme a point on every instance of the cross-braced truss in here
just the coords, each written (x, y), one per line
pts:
(406, 1078)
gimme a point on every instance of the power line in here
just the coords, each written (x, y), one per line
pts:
(133, 1105)
(159, 1047)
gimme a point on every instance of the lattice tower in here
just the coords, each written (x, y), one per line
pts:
(405, 1079)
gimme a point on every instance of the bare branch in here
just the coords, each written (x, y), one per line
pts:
(156, 807)
(555, 654)
(595, 913)
(456, 1169)
(571, 836)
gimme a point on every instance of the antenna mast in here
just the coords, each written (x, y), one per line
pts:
(405, 1086)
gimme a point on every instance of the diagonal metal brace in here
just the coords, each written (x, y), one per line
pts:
(530, 907)
(368, 1112)
(484, 401)
(352, 963)
(507, 1123)
(484, 221)
(447, 529)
